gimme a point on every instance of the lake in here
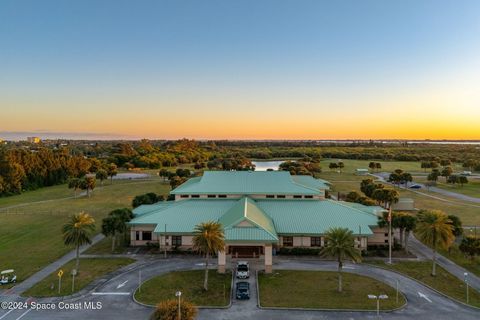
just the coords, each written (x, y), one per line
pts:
(264, 165)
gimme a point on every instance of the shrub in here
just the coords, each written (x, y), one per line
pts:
(299, 251)
(168, 310)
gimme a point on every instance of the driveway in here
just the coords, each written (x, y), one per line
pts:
(115, 297)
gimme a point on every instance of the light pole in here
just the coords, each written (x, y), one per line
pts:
(179, 294)
(465, 275)
(378, 298)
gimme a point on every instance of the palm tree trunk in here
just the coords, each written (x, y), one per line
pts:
(407, 234)
(339, 274)
(113, 243)
(205, 282)
(434, 260)
(77, 264)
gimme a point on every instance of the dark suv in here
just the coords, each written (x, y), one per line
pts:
(243, 290)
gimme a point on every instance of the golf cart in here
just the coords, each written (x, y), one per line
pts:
(8, 276)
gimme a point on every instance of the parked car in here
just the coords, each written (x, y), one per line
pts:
(243, 290)
(415, 186)
(243, 270)
(8, 276)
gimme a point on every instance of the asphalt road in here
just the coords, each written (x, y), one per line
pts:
(116, 300)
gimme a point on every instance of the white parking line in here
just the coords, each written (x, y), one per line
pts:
(23, 314)
(6, 314)
(111, 293)
(122, 284)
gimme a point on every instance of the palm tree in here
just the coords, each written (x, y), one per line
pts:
(208, 239)
(435, 229)
(78, 231)
(340, 243)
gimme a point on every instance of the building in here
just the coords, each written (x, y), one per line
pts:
(361, 172)
(260, 213)
(34, 139)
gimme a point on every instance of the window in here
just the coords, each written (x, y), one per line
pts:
(281, 196)
(195, 196)
(297, 196)
(137, 235)
(184, 196)
(386, 241)
(315, 241)
(386, 234)
(147, 235)
(222, 195)
(176, 241)
(270, 196)
(288, 241)
(212, 196)
(308, 197)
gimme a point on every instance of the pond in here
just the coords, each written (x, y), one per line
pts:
(264, 165)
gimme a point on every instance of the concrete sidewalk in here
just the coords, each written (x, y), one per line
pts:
(422, 250)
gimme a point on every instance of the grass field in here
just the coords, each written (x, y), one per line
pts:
(318, 289)
(472, 188)
(469, 212)
(90, 269)
(444, 281)
(34, 229)
(190, 283)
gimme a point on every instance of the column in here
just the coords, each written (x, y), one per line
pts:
(132, 237)
(222, 260)
(268, 258)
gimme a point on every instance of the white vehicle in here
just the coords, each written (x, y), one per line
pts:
(466, 173)
(243, 270)
(8, 276)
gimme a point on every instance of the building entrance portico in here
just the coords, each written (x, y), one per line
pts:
(245, 251)
(253, 251)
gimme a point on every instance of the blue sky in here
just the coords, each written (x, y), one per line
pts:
(219, 63)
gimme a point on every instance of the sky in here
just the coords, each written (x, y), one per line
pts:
(224, 69)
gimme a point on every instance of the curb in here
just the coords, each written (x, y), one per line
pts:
(426, 285)
(198, 307)
(328, 310)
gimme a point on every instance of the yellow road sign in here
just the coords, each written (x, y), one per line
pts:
(60, 273)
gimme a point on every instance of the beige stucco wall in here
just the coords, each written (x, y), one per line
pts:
(378, 236)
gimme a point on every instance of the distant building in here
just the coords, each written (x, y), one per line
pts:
(34, 139)
(361, 172)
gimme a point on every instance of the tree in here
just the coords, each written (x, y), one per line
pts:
(372, 166)
(175, 181)
(75, 184)
(148, 198)
(446, 172)
(101, 175)
(426, 165)
(333, 165)
(112, 171)
(470, 164)
(78, 232)
(406, 178)
(168, 310)
(445, 162)
(456, 225)
(435, 229)
(164, 173)
(470, 246)
(378, 166)
(208, 239)
(462, 180)
(432, 177)
(340, 244)
(88, 184)
(116, 223)
(341, 165)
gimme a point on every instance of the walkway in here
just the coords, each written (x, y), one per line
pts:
(422, 250)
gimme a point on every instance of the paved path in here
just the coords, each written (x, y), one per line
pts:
(40, 275)
(383, 176)
(422, 250)
(115, 296)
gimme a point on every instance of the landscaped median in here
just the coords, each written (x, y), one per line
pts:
(443, 282)
(90, 270)
(190, 283)
(318, 290)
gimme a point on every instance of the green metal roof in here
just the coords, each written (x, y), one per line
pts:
(246, 210)
(146, 208)
(249, 234)
(267, 217)
(376, 210)
(245, 183)
(311, 182)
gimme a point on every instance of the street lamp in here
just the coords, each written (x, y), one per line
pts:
(465, 278)
(378, 298)
(179, 294)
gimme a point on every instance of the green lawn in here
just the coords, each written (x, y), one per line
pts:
(472, 188)
(190, 283)
(472, 265)
(90, 269)
(104, 246)
(34, 230)
(318, 289)
(444, 281)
